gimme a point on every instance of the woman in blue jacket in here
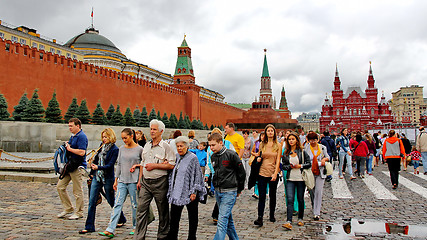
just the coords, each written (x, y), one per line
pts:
(103, 177)
(344, 153)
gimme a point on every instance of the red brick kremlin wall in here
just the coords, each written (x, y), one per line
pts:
(23, 69)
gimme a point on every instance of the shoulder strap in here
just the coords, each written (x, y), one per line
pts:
(357, 146)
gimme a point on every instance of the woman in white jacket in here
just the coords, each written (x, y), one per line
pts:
(318, 156)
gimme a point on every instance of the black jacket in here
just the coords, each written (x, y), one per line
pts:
(286, 165)
(229, 171)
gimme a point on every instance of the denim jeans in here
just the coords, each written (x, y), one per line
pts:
(343, 155)
(424, 159)
(291, 186)
(225, 224)
(95, 188)
(369, 163)
(416, 164)
(123, 189)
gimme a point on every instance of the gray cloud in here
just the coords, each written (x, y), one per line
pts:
(305, 39)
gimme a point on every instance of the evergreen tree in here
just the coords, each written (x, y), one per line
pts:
(221, 128)
(117, 118)
(72, 109)
(181, 122)
(159, 116)
(206, 127)
(187, 122)
(83, 113)
(19, 109)
(200, 125)
(129, 120)
(110, 113)
(212, 127)
(34, 112)
(4, 114)
(98, 116)
(143, 120)
(194, 124)
(165, 120)
(173, 121)
(137, 116)
(152, 115)
(53, 112)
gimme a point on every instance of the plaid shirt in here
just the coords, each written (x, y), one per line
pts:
(415, 155)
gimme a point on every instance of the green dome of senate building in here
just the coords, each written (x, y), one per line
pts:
(92, 43)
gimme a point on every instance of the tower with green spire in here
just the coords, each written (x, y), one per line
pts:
(184, 73)
(265, 91)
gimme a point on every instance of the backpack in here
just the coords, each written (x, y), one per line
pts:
(60, 160)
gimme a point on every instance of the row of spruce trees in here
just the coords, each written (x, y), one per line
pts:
(32, 110)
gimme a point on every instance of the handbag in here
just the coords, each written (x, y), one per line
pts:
(329, 168)
(307, 176)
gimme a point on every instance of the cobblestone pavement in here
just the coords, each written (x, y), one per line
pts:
(28, 211)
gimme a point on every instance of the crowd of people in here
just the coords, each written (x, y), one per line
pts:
(182, 171)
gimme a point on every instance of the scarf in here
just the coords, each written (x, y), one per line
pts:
(100, 177)
(315, 165)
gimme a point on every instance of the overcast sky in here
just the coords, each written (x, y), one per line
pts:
(304, 39)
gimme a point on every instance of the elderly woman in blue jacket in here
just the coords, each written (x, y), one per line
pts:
(318, 157)
(186, 188)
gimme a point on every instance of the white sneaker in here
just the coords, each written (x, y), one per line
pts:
(74, 217)
(63, 214)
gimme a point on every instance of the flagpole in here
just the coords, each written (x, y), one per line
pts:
(92, 16)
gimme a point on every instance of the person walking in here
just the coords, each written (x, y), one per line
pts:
(372, 152)
(415, 158)
(294, 160)
(126, 180)
(209, 172)
(76, 151)
(408, 147)
(318, 157)
(421, 144)
(268, 173)
(103, 178)
(256, 153)
(393, 150)
(157, 159)
(229, 182)
(235, 138)
(360, 151)
(186, 188)
(246, 155)
(345, 154)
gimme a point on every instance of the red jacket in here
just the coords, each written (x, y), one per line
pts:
(361, 150)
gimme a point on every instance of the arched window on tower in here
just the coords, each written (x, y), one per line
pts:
(179, 70)
(372, 111)
(338, 112)
(180, 51)
(185, 51)
(178, 81)
(184, 70)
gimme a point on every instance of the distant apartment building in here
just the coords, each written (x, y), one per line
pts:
(309, 121)
(408, 104)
